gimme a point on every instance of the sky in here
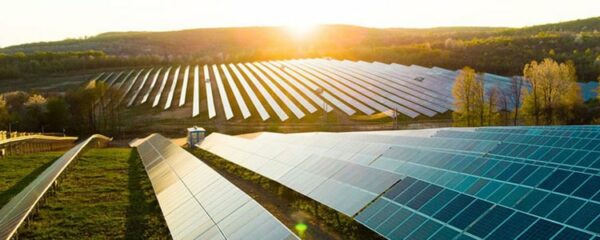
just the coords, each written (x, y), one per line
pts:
(23, 21)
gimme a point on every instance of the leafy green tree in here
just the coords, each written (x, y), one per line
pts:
(4, 114)
(57, 114)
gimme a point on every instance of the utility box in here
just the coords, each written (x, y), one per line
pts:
(195, 135)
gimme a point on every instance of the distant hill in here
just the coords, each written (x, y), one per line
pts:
(207, 40)
(211, 40)
(496, 50)
(580, 25)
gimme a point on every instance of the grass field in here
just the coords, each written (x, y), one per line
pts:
(16, 172)
(105, 195)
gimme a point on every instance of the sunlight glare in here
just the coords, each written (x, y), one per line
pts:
(301, 31)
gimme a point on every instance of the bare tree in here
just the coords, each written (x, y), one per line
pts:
(516, 96)
(504, 101)
(492, 104)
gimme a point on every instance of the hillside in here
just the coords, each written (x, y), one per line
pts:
(496, 50)
(214, 40)
(580, 25)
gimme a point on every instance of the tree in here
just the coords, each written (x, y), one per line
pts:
(4, 114)
(80, 102)
(492, 105)
(479, 105)
(516, 96)
(598, 90)
(35, 112)
(553, 89)
(504, 102)
(468, 97)
(57, 114)
(15, 101)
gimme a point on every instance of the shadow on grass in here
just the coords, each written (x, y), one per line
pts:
(20, 185)
(144, 216)
(138, 206)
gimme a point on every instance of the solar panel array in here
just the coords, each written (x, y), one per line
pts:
(301, 87)
(197, 202)
(477, 183)
(14, 213)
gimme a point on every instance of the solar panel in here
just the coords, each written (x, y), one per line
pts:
(330, 85)
(398, 99)
(299, 114)
(303, 86)
(407, 79)
(120, 84)
(589, 90)
(197, 202)
(369, 96)
(172, 90)
(162, 87)
(327, 180)
(289, 90)
(430, 82)
(482, 183)
(111, 82)
(440, 103)
(151, 87)
(236, 93)
(14, 213)
(253, 98)
(130, 86)
(106, 77)
(209, 95)
(222, 93)
(99, 76)
(186, 75)
(139, 89)
(278, 110)
(304, 90)
(196, 100)
(313, 87)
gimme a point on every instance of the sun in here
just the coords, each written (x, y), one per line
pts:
(301, 31)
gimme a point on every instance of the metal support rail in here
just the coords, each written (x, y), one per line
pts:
(15, 212)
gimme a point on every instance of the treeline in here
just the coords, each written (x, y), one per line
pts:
(495, 50)
(499, 55)
(547, 94)
(19, 65)
(82, 111)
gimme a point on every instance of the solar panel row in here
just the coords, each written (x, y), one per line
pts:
(163, 84)
(196, 99)
(484, 183)
(300, 87)
(152, 85)
(184, 85)
(13, 214)
(210, 102)
(139, 89)
(172, 91)
(197, 202)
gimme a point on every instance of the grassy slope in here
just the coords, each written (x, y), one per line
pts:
(16, 172)
(106, 195)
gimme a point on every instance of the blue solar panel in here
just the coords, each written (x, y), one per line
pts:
(483, 183)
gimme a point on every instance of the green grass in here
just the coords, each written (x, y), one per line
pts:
(16, 172)
(105, 195)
